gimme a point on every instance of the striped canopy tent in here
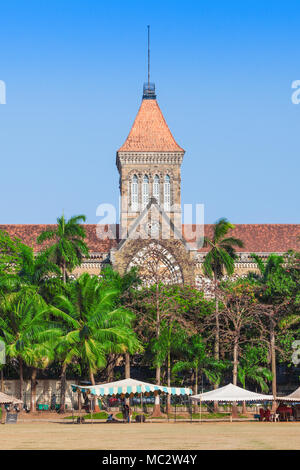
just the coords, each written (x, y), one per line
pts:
(127, 387)
(231, 393)
(8, 400)
(295, 397)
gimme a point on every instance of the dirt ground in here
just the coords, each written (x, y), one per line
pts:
(240, 435)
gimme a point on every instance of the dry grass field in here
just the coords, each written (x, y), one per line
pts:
(237, 435)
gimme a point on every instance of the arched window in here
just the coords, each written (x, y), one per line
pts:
(156, 188)
(145, 191)
(167, 193)
(134, 193)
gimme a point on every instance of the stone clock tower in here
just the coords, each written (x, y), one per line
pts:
(149, 165)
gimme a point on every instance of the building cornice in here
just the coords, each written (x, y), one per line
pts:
(141, 158)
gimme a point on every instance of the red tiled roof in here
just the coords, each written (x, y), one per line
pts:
(258, 238)
(150, 132)
(28, 234)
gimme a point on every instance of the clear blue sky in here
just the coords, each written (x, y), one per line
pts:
(74, 72)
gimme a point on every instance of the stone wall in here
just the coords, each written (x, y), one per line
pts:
(45, 390)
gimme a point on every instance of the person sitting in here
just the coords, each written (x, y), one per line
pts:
(261, 414)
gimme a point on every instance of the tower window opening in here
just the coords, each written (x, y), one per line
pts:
(156, 188)
(167, 193)
(134, 193)
(145, 191)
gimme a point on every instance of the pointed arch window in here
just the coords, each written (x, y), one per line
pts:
(145, 191)
(134, 193)
(167, 193)
(156, 188)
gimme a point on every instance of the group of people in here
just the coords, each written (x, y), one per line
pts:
(283, 413)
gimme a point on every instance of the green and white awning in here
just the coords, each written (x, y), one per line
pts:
(128, 386)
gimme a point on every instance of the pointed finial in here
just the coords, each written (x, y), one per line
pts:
(149, 88)
(148, 55)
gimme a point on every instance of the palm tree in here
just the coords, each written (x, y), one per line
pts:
(250, 368)
(218, 261)
(94, 325)
(275, 286)
(69, 247)
(35, 269)
(25, 329)
(199, 362)
(123, 283)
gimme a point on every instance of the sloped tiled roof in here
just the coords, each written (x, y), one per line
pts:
(258, 238)
(28, 234)
(150, 132)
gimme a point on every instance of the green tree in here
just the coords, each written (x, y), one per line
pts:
(252, 367)
(69, 247)
(94, 325)
(124, 284)
(197, 359)
(277, 290)
(26, 330)
(9, 253)
(219, 261)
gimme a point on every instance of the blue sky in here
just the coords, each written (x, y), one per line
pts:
(74, 72)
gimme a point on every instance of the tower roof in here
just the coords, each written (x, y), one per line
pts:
(150, 132)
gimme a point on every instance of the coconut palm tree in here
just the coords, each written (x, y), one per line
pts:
(197, 359)
(94, 324)
(25, 328)
(220, 261)
(69, 247)
(123, 283)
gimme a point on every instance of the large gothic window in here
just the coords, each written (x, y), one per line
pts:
(134, 193)
(145, 191)
(167, 193)
(156, 265)
(156, 188)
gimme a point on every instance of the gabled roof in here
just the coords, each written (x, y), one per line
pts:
(150, 132)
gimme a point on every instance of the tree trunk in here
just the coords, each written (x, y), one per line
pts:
(196, 389)
(156, 409)
(64, 272)
(33, 390)
(79, 406)
(62, 407)
(168, 407)
(127, 366)
(157, 333)
(110, 368)
(234, 375)
(3, 414)
(217, 336)
(2, 381)
(93, 401)
(273, 361)
(21, 378)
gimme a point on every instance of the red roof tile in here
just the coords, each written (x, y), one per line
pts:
(258, 238)
(28, 234)
(150, 132)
